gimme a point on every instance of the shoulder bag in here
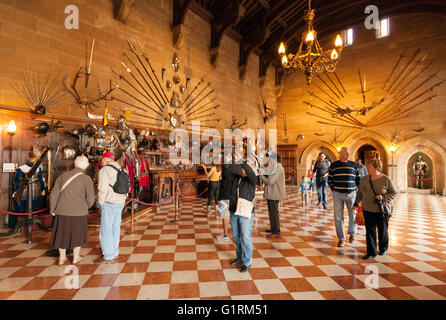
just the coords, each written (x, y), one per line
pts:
(244, 207)
(386, 207)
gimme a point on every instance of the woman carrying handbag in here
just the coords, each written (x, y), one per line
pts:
(376, 192)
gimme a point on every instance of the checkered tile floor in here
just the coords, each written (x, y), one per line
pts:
(165, 260)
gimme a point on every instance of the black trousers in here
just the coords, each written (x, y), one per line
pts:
(213, 191)
(273, 212)
(375, 220)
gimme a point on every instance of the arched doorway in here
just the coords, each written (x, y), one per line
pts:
(408, 150)
(366, 153)
(310, 153)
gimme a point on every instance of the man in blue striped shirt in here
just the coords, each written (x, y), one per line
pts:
(343, 179)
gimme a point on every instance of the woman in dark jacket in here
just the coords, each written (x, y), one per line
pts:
(384, 189)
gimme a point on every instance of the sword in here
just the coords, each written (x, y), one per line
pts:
(145, 69)
(132, 96)
(145, 80)
(153, 71)
(394, 68)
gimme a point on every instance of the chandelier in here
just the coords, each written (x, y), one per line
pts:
(310, 57)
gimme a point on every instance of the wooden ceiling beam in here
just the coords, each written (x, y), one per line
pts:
(225, 13)
(121, 9)
(180, 9)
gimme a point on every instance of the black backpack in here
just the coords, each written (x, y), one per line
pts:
(122, 184)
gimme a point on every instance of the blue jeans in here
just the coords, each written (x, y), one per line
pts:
(339, 199)
(110, 232)
(241, 229)
(322, 187)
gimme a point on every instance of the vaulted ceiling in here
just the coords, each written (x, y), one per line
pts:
(260, 25)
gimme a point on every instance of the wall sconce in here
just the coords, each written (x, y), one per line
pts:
(12, 128)
(339, 148)
(392, 148)
(300, 137)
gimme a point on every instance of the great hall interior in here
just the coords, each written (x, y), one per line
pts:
(307, 77)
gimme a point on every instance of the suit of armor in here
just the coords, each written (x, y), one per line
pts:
(420, 170)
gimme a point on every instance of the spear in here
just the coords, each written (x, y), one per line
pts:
(339, 125)
(328, 76)
(393, 70)
(427, 90)
(320, 78)
(404, 69)
(187, 107)
(409, 73)
(203, 116)
(134, 106)
(339, 80)
(417, 104)
(417, 87)
(129, 71)
(401, 115)
(209, 109)
(145, 80)
(416, 76)
(145, 69)
(323, 91)
(132, 96)
(210, 120)
(121, 77)
(198, 103)
(201, 108)
(314, 95)
(362, 85)
(194, 89)
(153, 71)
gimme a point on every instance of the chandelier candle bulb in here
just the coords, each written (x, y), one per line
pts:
(310, 37)
(282, 49)
(338, 41)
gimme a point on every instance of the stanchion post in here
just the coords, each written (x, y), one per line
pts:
(132, 230)
(29, 218)
(176, 199)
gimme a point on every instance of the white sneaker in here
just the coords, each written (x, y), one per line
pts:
(223, 237)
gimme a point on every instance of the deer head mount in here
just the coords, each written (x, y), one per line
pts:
(236, 124)
(266, 112)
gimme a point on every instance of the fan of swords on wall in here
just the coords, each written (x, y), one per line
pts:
(405, 89)
(167, 98)
(160, 99)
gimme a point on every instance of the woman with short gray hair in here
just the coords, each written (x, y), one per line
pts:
(72, 195)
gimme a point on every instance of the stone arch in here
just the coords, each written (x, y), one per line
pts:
(311, 152)
(355, 141)
(420, 144)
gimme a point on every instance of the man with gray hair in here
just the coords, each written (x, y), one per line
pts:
(343, 179)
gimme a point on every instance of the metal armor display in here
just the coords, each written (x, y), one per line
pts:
(420, 170)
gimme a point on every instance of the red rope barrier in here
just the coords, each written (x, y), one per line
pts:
(22, 213)
(155, 204)
(194, 197)
(420, 179)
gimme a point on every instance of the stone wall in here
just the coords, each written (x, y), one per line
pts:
(33, 38)
(376, 58)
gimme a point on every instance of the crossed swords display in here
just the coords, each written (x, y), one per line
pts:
(148, 99)
(147, 93)
(399, 99)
